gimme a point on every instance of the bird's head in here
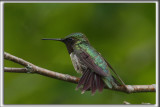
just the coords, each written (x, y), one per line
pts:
(71, 40)
(74, 38)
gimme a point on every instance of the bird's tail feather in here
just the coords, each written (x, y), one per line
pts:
(92, 81)
(111, 81)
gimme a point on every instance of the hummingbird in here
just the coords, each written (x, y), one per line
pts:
(86, 60)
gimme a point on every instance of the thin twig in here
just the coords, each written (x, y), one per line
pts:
(31, 68)
(125, 102)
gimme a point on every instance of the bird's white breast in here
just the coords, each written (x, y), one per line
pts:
(76, 62)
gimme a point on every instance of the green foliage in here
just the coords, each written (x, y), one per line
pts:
(124, 33)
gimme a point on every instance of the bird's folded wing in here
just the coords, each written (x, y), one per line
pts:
(89, 62)
(115, 72)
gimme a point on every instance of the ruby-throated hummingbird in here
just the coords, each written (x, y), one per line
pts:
(86, 60)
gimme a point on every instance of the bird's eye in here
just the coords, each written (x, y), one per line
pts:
(70, 39)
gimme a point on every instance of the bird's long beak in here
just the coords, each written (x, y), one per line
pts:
(56, 39)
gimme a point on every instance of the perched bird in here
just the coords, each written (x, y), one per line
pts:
(87, 61)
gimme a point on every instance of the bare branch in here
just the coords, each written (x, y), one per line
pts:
(16, 70)
(35, 69)
(31, 68)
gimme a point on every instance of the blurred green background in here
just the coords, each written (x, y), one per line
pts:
(124, 33)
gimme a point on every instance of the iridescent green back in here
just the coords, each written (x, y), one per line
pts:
(97, 58)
